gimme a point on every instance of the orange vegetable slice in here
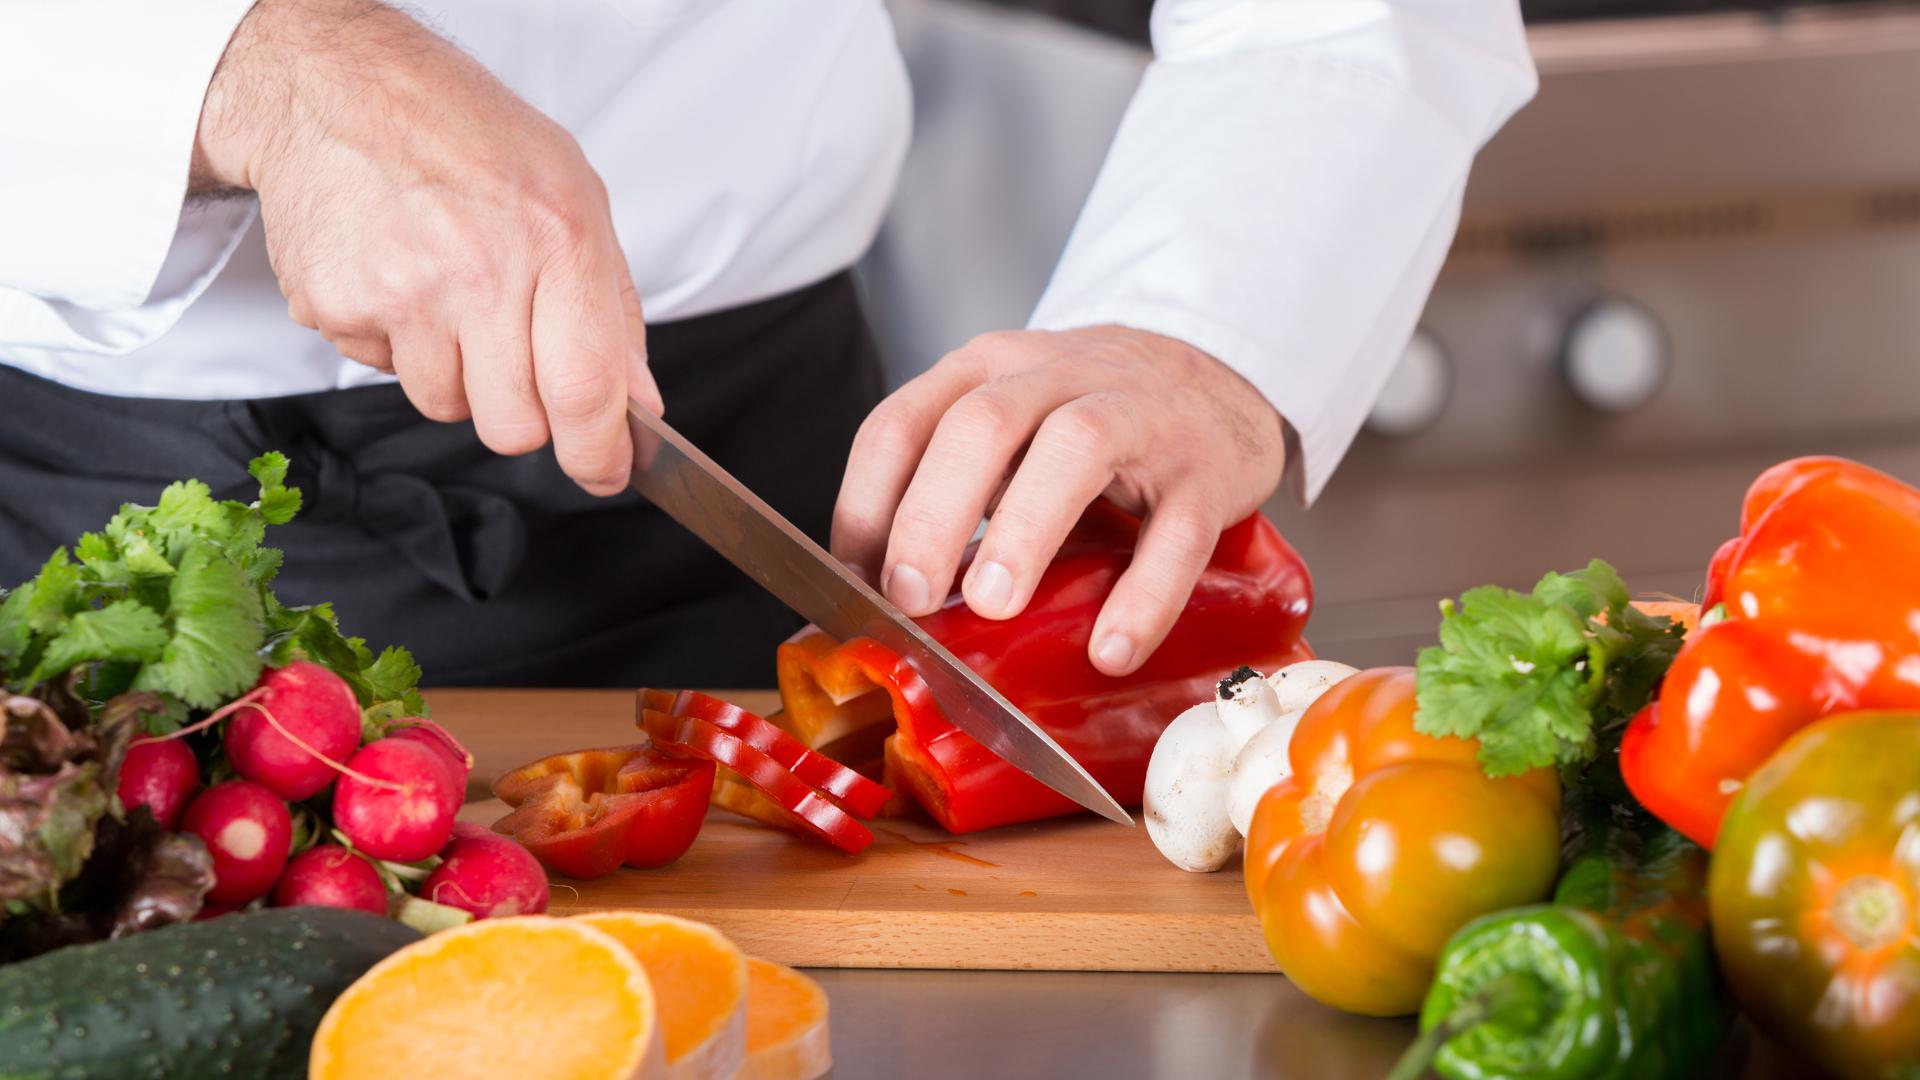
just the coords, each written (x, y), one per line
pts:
(700, 981)
(786, 1025)
(489, 999)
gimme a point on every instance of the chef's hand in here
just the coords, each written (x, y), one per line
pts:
(1033, 426)
(428, 222)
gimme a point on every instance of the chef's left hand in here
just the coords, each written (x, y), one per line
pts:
(1033, 426)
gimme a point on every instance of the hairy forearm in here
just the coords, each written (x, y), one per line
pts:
(284, 62)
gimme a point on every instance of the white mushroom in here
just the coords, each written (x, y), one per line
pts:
(1262, 760)
(1297, 686)
(1185, 802)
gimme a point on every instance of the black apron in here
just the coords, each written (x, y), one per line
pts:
(494, 571)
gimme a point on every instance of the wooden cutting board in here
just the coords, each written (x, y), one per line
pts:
(1070, 894)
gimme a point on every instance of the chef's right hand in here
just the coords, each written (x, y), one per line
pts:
(428, 222)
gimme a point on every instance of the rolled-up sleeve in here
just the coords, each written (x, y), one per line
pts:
(99, 104)
(1284, 187)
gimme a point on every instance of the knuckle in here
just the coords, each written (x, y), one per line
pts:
(1084, 427)
(917, 524)
(888, 429)
(555, 219)
(1188, 536)
(982, 416)
(518, 435)
(577, 392)
(1018, 525)
(995, 342)
(440, 408)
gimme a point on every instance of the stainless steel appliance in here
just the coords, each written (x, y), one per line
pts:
(1696, 253)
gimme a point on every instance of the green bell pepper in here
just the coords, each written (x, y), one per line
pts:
(1613, 979)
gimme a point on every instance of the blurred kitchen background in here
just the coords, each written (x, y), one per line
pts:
(1696, 253)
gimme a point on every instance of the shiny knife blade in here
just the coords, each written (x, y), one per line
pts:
(710, 503)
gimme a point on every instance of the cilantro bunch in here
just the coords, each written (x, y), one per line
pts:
(1544, 678)
(175, 598)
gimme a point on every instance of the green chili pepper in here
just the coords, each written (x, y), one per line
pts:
(1613, 979)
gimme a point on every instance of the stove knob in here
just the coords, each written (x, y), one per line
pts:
(1417, 391)
(1614, 355)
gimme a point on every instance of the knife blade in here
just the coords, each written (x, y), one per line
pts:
(675, 476)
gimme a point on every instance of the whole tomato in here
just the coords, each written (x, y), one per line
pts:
(1815, 894)
(1384, 841)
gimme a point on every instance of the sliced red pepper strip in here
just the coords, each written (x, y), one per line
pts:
(585, 813)
(858, 795)
(819, 815)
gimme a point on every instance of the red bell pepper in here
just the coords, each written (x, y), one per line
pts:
(856, 794)
(1821, 593)
(1249, 607)
(585, 813)
(797, 807)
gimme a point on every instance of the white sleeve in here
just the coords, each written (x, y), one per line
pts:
(99, 104)
(1283, 190)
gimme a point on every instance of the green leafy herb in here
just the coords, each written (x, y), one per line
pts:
(1543, 678)
(175, 597)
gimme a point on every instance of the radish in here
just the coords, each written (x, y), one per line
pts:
(488, 875)
(433, 736)
(396, 800)
(331, 876)
(161, 775)
(248, 831)
(294, 735)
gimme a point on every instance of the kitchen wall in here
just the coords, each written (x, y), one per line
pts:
(1715, 219)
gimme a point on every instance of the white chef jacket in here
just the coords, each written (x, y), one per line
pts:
(1280, 194)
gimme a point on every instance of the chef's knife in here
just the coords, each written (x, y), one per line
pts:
(679, 479)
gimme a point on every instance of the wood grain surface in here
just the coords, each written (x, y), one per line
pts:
(1066, 895)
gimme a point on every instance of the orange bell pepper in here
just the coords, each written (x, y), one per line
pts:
(1822, 605)
(1384, 841)
(1249, 607)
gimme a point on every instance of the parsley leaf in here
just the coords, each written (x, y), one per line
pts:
(217, 627)
(1542, 678)
(122, 630)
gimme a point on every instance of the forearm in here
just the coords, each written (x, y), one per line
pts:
(1284, 187)
(290, 64)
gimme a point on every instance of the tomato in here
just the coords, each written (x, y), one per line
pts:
(1815, 894)
(1384, 841)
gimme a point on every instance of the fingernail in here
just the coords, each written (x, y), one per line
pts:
(1115, 652)
(990, 588)
(907, 588)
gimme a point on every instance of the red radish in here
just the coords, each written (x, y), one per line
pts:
(468, 830)
(433, 736)
(331, 876)
(394, 800)
(300, 703)
(161, 775)
(248, 831)
(488, 875)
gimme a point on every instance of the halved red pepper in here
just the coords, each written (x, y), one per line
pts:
(1249, 607)
(858, 795)
(807, 811)
(585, 813)
(1821, 595)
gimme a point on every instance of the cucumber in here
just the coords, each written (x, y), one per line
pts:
(236, 996)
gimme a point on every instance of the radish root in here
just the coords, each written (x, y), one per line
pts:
(212, 718)
(339, 767)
